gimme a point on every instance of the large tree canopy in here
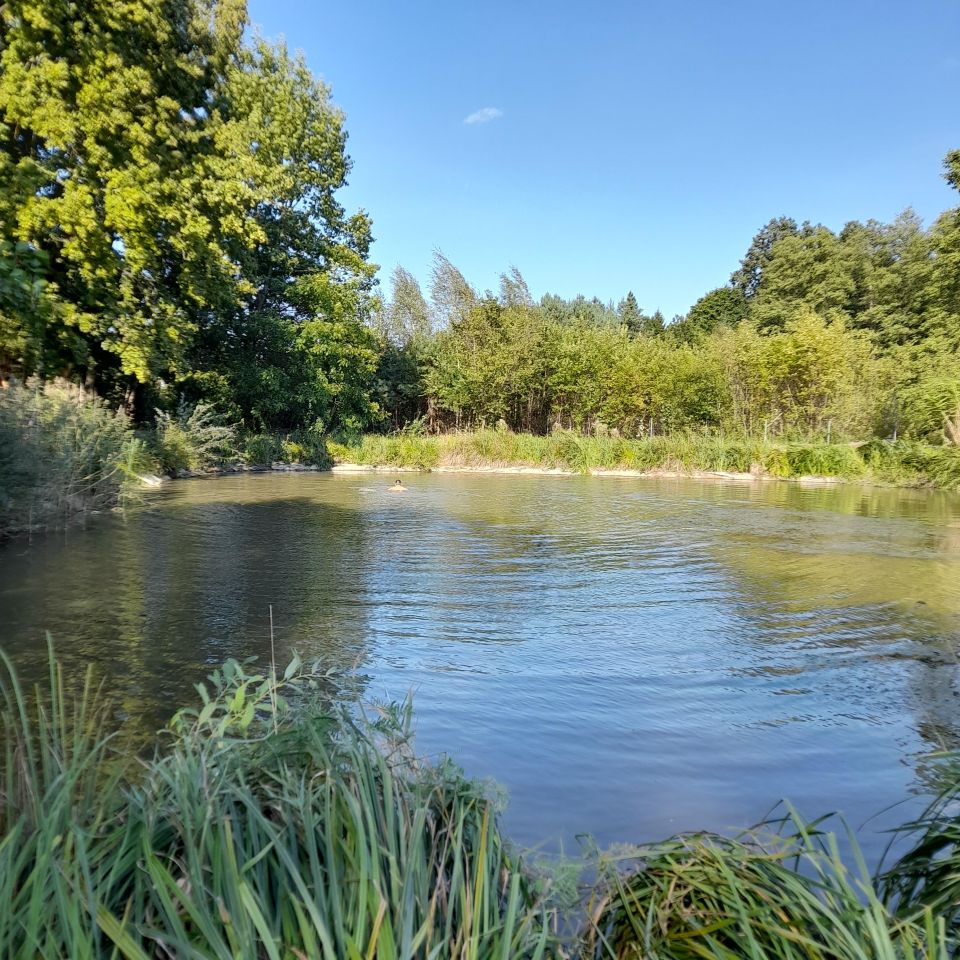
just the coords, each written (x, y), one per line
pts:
(164, 188)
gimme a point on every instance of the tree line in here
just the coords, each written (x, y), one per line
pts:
(847, 334)
(170, 233)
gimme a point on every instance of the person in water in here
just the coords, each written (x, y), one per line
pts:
(398, 487)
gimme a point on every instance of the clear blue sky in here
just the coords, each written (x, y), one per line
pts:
(640, 145)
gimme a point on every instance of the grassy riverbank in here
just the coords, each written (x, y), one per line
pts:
(902, 463)
(64, 453)
(269, 823)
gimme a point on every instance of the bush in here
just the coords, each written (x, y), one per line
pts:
(260, 449)
(943, 467)
(193, 438)
(776, 462)
(825, 460)
(62, 453)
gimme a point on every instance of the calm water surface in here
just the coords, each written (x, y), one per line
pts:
(627, 657)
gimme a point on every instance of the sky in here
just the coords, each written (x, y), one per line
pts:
(617, 146)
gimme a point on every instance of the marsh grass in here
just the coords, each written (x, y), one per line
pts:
(269, 823)
(879, 461)
(63, 453)
(927, 876)
(262, 827)
(779, 892)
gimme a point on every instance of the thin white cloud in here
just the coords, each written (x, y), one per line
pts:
(484, 115)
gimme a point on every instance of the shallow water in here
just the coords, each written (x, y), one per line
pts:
(627, 657)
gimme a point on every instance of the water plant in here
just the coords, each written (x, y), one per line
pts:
(926, 876)
(268, 824)
(905, 463)
(272, 823)
(778, 892)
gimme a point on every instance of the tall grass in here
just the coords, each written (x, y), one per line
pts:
(927, 876)
(879, 461)
(264, 827)
(193, 437)
(782, 894)
(62, 453)
(271, 824)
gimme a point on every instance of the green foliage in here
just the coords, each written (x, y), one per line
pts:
(271, 822)
(62, 453)
(168, 213)
(941, 466)
(810, 377)
(108, 129)
(931, 404)
(784, 894)
(193, 438)
(268, 824)
(806, 348)
(261, 449)
(825, 460)
(723, 307)
(805, 270)
(681, 452)
(927, 876)
(169, 227)
(304, 447)
(904, 463)
(748, 276)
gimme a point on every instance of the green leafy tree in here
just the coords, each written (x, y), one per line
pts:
(450, 294)
(952, 172)
(723, 307)
(109, 128)
(282, 114)
(405, 328)
(808, 377)
(746, 278)
(630, 314)
(803, 270)
(166, 193)
(655, 325)
(582, 372)
(514, 291)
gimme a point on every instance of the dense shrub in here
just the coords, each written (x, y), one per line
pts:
(194, 437)
(62, 452)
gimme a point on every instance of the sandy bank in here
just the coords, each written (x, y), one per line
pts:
(597, 472)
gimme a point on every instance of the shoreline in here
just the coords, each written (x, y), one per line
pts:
(153, 480)
(655, 474)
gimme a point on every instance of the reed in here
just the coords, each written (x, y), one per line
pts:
(902, 463)
(63, 453)
(262, 828)
(271, 823)
(926, 877)
(777, 892)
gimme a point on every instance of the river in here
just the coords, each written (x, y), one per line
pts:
(627, 657)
